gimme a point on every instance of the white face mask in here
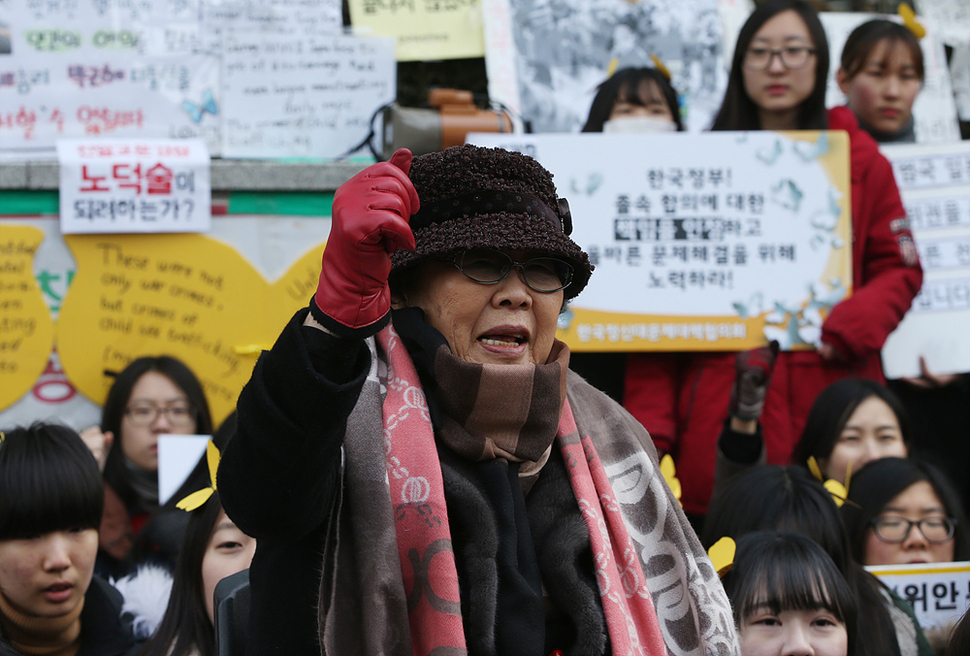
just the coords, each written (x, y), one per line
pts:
(628, 124)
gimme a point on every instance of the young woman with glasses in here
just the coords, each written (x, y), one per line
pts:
(777, 82)
(152, 396)
(904, 511)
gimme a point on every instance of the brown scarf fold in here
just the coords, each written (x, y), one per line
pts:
(47, 636)
(501, 411)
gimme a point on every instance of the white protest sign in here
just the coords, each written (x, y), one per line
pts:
(934, 110)
(939, 592)
(93, 68)
(177, 457)
(714, 241)
(302, 96)
(953, 17)
(145, 185)
(934, 182)
(289, 16)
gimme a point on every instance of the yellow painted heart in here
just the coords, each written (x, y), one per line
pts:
(186, 295)
(26, 326)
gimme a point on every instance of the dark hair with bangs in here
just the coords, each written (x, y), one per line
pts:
(775, 497)
(49, 481)
(630, 85)
(832, 409)
(778, 498)
(864, 39)
(738, 111)
(880, 481)
(787, 571)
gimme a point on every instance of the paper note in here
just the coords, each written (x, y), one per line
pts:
(26, 327)
(310, 96)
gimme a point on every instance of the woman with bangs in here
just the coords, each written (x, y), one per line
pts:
(777, 498)
(789, 598)
(51, 499)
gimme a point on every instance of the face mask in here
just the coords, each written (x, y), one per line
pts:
(628, 124)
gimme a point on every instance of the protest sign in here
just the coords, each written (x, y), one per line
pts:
(934, 110)
(93, 68)
(939, 592)
(424, 29)
(177, 457)
(145, 185)
(302, 96)
(281, 16)
(545, 62)
(934, 182)
(717, 241)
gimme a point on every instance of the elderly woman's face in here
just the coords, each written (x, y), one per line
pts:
(504, 323)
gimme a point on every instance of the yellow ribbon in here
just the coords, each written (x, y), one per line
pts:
(838, 491)
(721, 554)
(909, 20)
(659, 65)
(670, 475)
(196, 499)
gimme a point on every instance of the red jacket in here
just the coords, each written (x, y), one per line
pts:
(682, 398)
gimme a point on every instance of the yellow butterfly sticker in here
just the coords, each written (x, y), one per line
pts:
(670, 475)
(721, 554)
(196, 499)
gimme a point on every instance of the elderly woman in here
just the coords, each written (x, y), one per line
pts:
(421, 471)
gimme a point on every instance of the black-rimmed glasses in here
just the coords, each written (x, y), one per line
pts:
(792, 58)
(896, 529)
(488, 266)
(144, 414)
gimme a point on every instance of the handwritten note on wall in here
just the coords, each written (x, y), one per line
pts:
(425, 29)
(308, 96)
(186, 295)
(26, 327)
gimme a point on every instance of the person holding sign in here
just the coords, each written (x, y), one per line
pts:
(904, 511)
(777, 82)
(152, 396)
(881, 73)
(416, 437)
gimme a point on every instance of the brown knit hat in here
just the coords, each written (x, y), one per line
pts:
(474, 197)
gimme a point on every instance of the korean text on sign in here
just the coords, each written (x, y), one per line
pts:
(134, 186)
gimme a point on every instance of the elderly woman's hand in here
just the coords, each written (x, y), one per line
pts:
(370, 221)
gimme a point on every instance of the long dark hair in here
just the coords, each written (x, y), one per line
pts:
(783, 571)
(832, 409)
(880, 481)
(738, 111)
(864, 39)
(627, 85)
(775, 497)
(186, 623)
(49, 481)
(115, 470)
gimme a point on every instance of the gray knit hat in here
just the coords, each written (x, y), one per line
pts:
(474, 197)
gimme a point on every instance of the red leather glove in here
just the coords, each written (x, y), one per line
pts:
(752, 374)
(370, 221)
